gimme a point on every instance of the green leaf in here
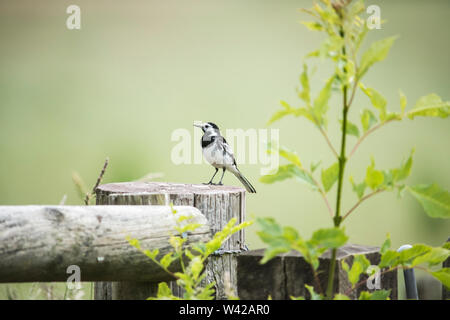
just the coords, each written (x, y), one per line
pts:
(433, 257)
(434, 200)
(320, 106)
(389, 258)
(188, 227)
(430, 106)
(368, 119)
(284, 172)
(314, 166)
(405, 169)
(374, 178)
(443, 276)
(290, 171)
(134, 242)
(330, 176)
(351, 128)
(304, 81)
(279, 239)
(362, 34)
(377, 52)
(330, 238)
(377, 100)
(164, 290)
(196, 267)
(295, 298)
(403, 101)
(407, 256)
(271, 253)
(151, 254)
(359, 266)
(331, 48)
(358, 188)
(312, 25)
(167, 260)
(376, 295)
(287, 110)
(177, 242)
(290, 156)
(386, 244)
(393, 116)
(313, 294)
(340, 296)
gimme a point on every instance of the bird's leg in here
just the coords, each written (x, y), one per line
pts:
(223, 173)
(211, 181)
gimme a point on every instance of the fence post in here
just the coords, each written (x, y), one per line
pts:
(286, 274)
(218, 203)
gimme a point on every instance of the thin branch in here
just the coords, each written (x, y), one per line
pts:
(99, 179)
(321, 191)
(368, 132)
(328, 141)
(360, 201)
(324, 196)
(317, 123)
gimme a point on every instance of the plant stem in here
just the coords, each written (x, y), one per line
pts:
(342, 160)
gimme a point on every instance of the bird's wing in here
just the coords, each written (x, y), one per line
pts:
(227, 151)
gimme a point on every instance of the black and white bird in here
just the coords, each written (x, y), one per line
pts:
(219, 154)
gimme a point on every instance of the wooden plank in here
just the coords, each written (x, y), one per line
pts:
(38, 243)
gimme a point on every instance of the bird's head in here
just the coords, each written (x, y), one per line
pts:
(207, 126)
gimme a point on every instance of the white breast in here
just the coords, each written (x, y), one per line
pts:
(216, 157)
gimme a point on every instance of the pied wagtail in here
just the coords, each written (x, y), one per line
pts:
(219, 154)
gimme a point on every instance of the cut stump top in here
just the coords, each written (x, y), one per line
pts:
(165, 187)
(342, 253)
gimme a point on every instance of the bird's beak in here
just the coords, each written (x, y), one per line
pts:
(198, 124)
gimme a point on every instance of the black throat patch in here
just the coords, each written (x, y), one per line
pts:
(207, 141)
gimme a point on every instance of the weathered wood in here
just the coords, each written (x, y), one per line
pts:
(218, 203)
(287, 274)
(38, 243)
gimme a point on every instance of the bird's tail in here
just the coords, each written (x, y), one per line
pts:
(248, 186)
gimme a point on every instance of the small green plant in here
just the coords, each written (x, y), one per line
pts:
(192, 259)
(345, 31)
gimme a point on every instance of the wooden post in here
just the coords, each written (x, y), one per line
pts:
(286, 274)
(218, 203)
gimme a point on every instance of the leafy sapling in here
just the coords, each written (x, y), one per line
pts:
(345, 30)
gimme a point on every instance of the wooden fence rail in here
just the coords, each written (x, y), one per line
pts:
(39, 243)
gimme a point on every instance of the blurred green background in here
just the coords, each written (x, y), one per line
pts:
(137, 70)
